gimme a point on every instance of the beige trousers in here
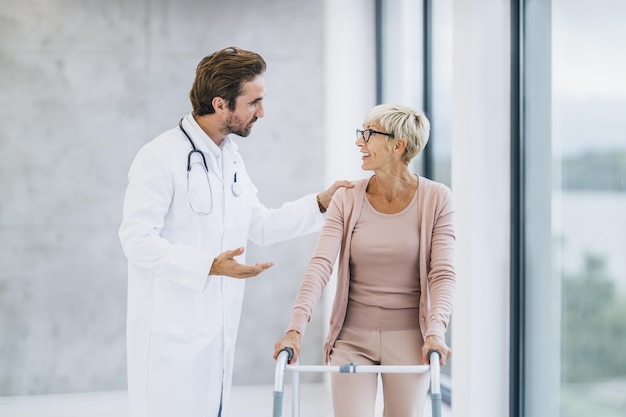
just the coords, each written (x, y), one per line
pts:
(354, 395)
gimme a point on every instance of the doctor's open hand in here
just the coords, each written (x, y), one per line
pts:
(226, 264)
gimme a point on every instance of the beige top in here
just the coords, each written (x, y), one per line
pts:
(435, 232)
(384, 270)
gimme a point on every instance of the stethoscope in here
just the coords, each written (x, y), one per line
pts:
(235, 188)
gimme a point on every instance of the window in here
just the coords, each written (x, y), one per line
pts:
(574, 97)
(401, 58)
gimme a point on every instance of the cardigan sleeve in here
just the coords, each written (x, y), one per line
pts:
(441, 275)
(320, 266)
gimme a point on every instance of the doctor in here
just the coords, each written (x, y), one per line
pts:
(189, 211)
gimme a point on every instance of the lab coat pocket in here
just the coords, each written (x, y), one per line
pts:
(239, 206)
(177, 309)
(199, 189)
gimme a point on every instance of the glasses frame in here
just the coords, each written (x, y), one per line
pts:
(362, 134)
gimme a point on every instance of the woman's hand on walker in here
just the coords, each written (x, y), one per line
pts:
(290, 340)
(437, 343)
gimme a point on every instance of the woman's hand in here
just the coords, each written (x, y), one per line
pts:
(438, 344)
(290, 340)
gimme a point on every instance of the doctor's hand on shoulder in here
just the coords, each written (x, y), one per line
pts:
(226, 264)
(323, 198)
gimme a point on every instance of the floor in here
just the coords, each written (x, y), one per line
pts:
(247, 401)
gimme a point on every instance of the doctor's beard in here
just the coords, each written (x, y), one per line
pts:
(237, 126)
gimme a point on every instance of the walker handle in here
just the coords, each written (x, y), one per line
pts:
(279, 379)
(289, 352)
(435, 382)
(430, 354)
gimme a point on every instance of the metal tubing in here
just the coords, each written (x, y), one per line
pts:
(436, 405)
(279, 382)
(435, 369)
(282, 365)
(295, 384)
(386, 369)
(278, 404)
(435, 383)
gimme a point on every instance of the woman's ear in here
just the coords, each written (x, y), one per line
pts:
(400, 145)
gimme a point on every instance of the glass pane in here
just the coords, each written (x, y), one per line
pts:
(575, 186)
(441, 117)
(402, 58)
(590, 203)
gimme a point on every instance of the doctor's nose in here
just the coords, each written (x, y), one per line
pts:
(260, 111)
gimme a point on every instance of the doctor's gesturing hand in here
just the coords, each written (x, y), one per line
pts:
(226, 264)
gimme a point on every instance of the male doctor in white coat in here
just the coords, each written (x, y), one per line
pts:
(189, 211)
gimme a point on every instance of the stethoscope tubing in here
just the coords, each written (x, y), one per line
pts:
(193, 150)
(235, 188)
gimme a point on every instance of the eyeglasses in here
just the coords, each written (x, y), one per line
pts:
(367, 134)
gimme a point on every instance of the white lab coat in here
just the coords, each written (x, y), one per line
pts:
(181, 323)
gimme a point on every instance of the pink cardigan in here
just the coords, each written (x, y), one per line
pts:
(436, 260)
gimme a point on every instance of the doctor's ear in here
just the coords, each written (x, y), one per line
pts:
(219, 104)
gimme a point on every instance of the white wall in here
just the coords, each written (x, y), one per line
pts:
(480, 184)
(83, 85)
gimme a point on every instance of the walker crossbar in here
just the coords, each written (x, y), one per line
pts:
(355, 368)
(282, 364)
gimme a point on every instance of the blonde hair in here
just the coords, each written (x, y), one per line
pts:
(403, 122)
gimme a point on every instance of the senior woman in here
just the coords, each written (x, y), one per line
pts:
(394, 234)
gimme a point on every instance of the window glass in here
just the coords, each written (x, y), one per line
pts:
(441, 90)
(401, 66)
(590, 203)
(576, 210)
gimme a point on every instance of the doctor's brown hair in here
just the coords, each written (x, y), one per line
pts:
(223, 74)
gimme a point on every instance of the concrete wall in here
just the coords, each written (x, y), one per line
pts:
(83, 84)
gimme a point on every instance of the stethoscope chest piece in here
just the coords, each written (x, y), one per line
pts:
(236, 189)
